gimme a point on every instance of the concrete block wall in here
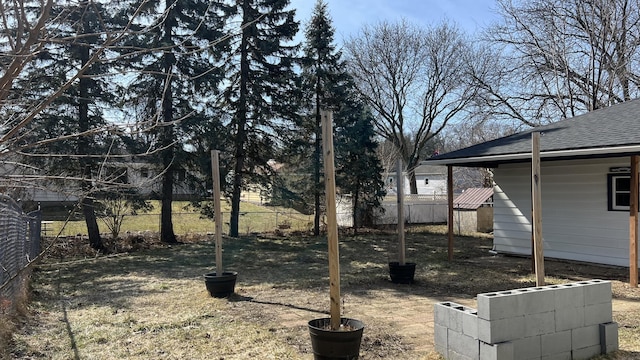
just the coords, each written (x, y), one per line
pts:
(568, 321)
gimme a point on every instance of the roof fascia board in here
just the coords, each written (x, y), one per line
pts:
(544, 154)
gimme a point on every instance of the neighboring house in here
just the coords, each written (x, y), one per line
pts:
(429, 206)
(144, 177)
(430, 180)
(473, 211)
(585, 184)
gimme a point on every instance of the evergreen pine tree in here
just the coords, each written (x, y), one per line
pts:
(177, 59)
(260, 96)
(328, 86)
(67, 140)
(323, 84)
(358, 168)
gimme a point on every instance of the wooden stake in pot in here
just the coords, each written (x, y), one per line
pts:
(332, 224)
(217, 209)
(400, 195)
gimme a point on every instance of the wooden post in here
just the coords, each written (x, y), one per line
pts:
(217, 209)
(400, 193)
(450, 200)
(633, 224)
(536, 220)
(332, 224)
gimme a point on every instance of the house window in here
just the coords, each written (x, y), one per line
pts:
(144, 172)
(619, 192)
(426, 181)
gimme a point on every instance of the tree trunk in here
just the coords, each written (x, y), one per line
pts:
(166, 223)
(413, 184)
(88, 210)
(95, 241)
(241, 119)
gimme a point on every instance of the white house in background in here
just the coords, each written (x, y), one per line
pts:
(585, 181)
(430, 180)
(143, 176)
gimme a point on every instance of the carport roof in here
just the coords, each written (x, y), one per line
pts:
(611, 131)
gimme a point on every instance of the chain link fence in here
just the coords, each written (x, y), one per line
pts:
(19, 246)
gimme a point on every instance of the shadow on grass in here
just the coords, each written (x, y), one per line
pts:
(240, 298)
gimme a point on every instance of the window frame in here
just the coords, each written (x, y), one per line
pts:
(612, 191)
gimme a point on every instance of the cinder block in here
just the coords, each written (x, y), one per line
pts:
(441, 312)
(499, 351)
(457, 356)
(440, 338)
(535, 300)
(608, 337)
(558, 356)
(597, 292)
(502, 330)
(527, 348)
(586, 353)
(556, 343)
(569, 318)
(568, 295)
(540, 323)
(463, 345)
(470, 323)
(585, 337)
(455, 318)
(598, 313)
(498, 305)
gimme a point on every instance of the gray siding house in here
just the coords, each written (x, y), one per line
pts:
(585, 177)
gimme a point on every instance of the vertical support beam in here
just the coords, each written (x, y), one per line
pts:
(536, 220)
(450, 208)
(217, 208)
(332, 224)
(633, 224)
(400, 196)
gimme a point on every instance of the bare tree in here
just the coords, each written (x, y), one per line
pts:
(415, 81)
(555, 59)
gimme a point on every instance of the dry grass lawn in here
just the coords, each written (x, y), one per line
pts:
(152, 304)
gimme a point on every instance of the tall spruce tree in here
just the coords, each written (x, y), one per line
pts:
(177, 58)
(328, 86)
(324, 84)
(261, 92)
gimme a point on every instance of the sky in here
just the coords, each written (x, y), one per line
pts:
(350, 15)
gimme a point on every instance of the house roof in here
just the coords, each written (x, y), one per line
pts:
(610, 131)
(472, 198)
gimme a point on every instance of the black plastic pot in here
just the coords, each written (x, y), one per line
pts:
(343, 344)
(221, 286)
(402, 274)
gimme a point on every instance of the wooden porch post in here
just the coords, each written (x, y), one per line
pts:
(536, 220)
(450, 200)
(633, 224)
